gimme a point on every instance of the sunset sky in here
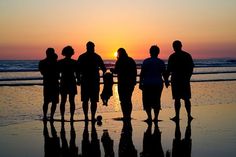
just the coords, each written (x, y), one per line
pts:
(207, 28)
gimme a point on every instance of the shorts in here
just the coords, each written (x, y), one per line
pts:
(181, 89)
(90, 91)
(152, 96)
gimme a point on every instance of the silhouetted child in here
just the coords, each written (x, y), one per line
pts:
(107, 88)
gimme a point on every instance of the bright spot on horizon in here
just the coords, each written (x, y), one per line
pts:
(115, 54)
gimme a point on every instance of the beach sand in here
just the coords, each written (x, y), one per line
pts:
(213, 129)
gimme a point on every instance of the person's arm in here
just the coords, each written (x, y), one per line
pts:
(165, 75)
(134, 72)
(78, 71)
(141, 77)
(102, 65)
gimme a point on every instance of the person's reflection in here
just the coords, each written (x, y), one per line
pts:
(182, 147)
(152, 142)
(68, 150)
(126, 146)
(51, 143)
(90, 148)
(107, 143)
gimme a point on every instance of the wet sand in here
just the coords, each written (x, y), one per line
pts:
(213, 133)
(213, 130)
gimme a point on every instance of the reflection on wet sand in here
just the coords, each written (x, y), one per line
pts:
(90, 142)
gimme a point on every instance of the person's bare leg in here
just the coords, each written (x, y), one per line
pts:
(45, 110)
(149, 114)
(177, 110)
(188, 108)
(93, 110)
(85, 110)
(62, 105)
(72, 106)
(53, 109)
(156, 113)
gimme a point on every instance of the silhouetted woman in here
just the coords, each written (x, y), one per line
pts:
(151, 83)
(49, 69)
(125, 68)
(67, 68)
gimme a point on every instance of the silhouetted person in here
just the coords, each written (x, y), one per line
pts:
(107, 143)
(51, 143)
(89, 64)
(125, 68)
(90, 148)
(152, 142)
(152, 73)
(49, 69)
(182, 147)
(70, 150)
(126, 146)
(180, 67)
(67, 67)
(107, 87)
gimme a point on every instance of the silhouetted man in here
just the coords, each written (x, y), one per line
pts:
(49, 69)
(89, 64)
(180, 67)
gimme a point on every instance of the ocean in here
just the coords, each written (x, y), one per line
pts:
(25, 72)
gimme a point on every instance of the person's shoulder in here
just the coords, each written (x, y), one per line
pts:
(83, 55)
(97, 55)
(160, 60)
(187, 54)
(42, 61)
(131, 59)
(172, 55)
(146, 60)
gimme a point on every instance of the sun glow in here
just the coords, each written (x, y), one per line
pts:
(115, 54)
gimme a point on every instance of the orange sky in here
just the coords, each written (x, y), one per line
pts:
(206, 27)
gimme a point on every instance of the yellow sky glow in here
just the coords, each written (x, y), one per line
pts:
(206, 27)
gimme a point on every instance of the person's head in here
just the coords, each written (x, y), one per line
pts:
(90, 46)
(121, 53)
(177, 45)
(50, 53)
(154, 51)
(68, 51)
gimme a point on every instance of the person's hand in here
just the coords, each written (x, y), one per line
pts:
(78, 82)
(140, 86)
(112, 70)
(167, 83)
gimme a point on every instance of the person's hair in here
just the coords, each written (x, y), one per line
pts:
(122, 53)
(177, 45)
(154, 51)
(90, 46)
(68, 51)
(50, 53)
